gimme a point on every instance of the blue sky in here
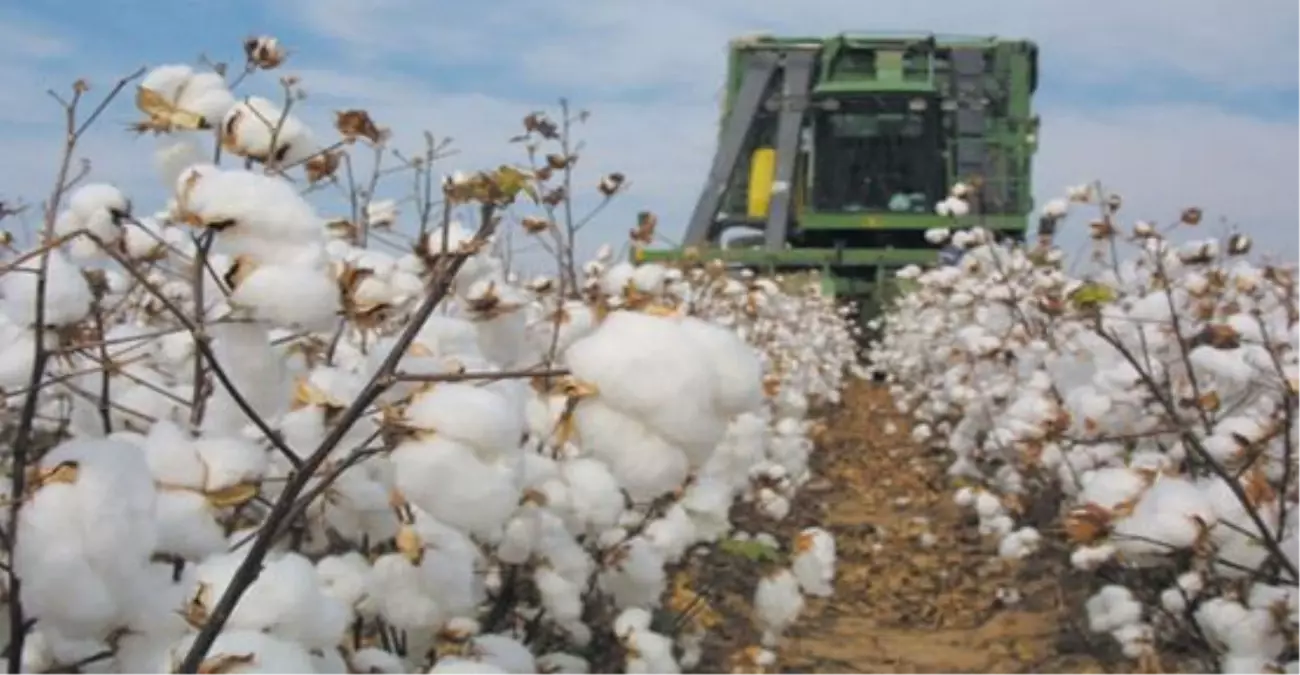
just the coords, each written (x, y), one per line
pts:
(1172, 103)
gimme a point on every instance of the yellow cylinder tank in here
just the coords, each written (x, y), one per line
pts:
(762, 170)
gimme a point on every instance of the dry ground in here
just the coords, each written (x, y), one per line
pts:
(917, 587)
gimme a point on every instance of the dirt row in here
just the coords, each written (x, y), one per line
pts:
(917, 588)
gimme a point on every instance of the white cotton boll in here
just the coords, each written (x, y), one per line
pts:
(449, 481)
(286, 600)
(738, 385)
(375, 660)
(476, 416)
(1171, 515)
(1244, 632)
(937, 235)
(636, 577)
(1111, 608)
(631, 620)
(814, 561)
(345, 578)
(773, 504)
(461, 665)
(1091, 557)
(672, 534)
(505, 653)
(649, 278)
(270, 654)
(650, 652)
(648, 367)
(230, 461)
(67, 293)
(83, 544)
(645, 465)
(1019, 544)
(256, 369)
(595, 496)
(172, 458)
(1107, 487)
(292, 296)
(253, 125)
(561, 598)
(777, 603)
(259, 209)
(563, 662)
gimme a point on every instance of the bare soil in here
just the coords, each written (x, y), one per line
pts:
(917, 587)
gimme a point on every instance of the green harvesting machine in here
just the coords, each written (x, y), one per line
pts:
(833, 152)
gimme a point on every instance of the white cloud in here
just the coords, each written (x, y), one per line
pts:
(616, 45)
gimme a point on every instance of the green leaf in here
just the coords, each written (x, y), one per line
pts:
(754, 551)
(1092, 295)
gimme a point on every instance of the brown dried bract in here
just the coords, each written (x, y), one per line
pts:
(163, 116)
(323, 165)
(611, 184)
(354, 124)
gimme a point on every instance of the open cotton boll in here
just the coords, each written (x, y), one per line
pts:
(1249, 635)
(813, 564)
(286, 600)
(503, 652)
(648, 367)
(645, 465)
(477, 416)
(256, 208)
(447, 479)
(297, 296)
(594, 493)
(650, 652)
(253, 126)
(563, 662)
(1111, 608)
(1173, 514)
(246, 651)
(67, 293)
(257, 371)
(738, 387)
(672, 534)
(230, 461)
(777, 603)
(634, 574)
(86, 536)
(454, 664)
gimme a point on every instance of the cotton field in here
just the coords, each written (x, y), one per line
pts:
(245, 435)
(1154, 393)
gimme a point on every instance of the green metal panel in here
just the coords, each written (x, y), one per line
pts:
(809, 220)
(803, 257)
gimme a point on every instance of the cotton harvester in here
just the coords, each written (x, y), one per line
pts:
(833, 153)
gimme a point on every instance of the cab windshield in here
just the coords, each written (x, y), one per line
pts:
(878, 154)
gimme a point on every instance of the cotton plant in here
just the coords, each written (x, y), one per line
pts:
(1154, 387)
(533, 463)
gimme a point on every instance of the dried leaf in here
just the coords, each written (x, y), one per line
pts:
(354, 124)
(163, 116)
(224, 663)
(235, 495)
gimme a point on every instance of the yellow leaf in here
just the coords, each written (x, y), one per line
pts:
(235, 495)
